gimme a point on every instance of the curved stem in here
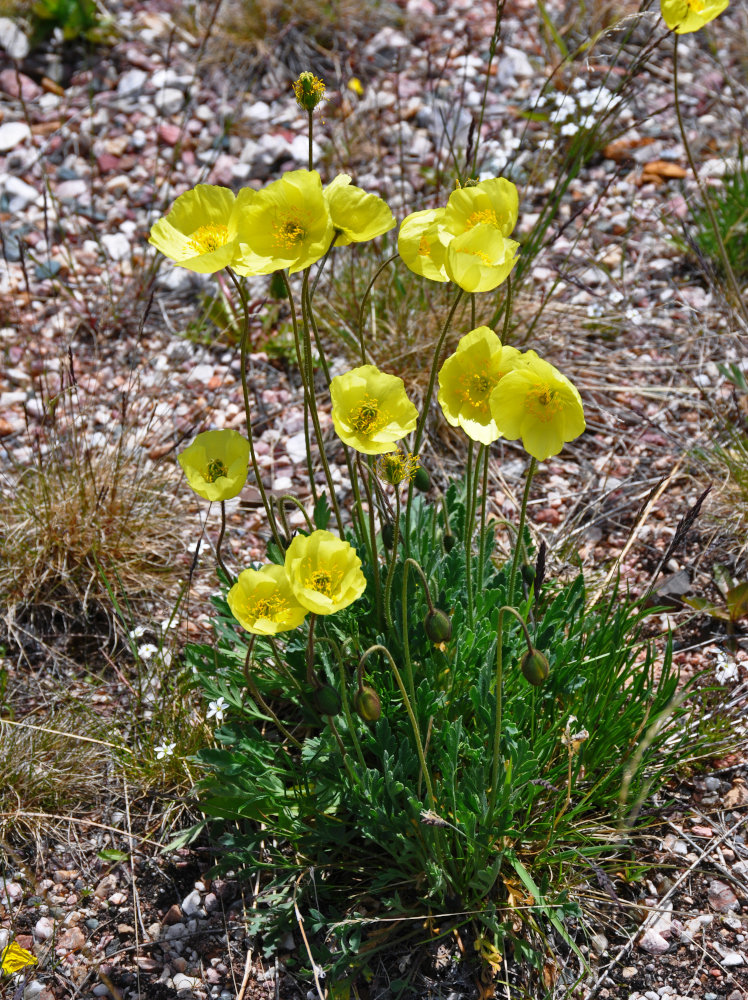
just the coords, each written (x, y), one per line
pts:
(363, 304)
(253, 690)
(521, 528)
(732, 281)
(244, 350)
(344, 696)
(295, 500)
(221, 533)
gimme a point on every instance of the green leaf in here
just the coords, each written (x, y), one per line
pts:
(322, 513)
(737, 601)
(110, 854)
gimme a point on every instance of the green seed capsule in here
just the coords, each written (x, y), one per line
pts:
(438, 626)
(422, 480)
(367, 704)
(327, 700)
(535, 667)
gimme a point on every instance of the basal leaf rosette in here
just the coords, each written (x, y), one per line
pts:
(370, 410)
(357, 214)
(682, 16)
(493, 202)
(419, 245)
(537, 403)
(324, 572)
(480, 259)
(286, 225)
(263, 603)
(216, 464)
(201, 232)
(468, 377)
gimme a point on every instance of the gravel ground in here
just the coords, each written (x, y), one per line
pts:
(94, 148)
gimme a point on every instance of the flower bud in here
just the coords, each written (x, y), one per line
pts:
(327, 700)
(388, 534)
(535, 667)
(438, 626)
(367, 704)
(449, 541)
(422, 480)
(308, 90)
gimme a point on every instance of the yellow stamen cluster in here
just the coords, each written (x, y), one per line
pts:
(366, 416)
(424, 247)
(476, 387)
(273, 607)
(480, 254)
(216, 469)
(289, 233)
(208, 239)
(308, 90)
(543, 403)
(483, 216)
(394, 467)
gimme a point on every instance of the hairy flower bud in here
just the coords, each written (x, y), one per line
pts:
(449, 541)
(438, 626)
(388, 534)
(367, 704)
(327, 700)
(422, 480)
(535, 667)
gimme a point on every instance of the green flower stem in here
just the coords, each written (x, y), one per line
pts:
(247, 411)
(406, 644)
(507, 309)
(253, 690)
(363, 305)
(344, 697)
(311, 679)
(469, 521)
(341, 746)
(373, 533)
(492, 45)
(499, 683)
(280, 666)
(732, 281)
(221, 533)
(322, 264)
(482, 536)
(295, 500)
(521, 528)
(409, 709)
(434, 369)
(310, 121)
(307, 403)
(393, 560)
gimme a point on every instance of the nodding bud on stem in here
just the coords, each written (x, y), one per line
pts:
(367, 704)
(535, 667)
(438, 626)
(308, 90)
(327, 700)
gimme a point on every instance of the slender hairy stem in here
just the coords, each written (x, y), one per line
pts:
(373, 534)
(290, 498)
(344, 696)
(521, 528)
(310, 652)
(363, 305)
(482, 535)
(393, 560)
(244, 349)
(221, 533)
(310, 118)
(253, 690)
(507, 309)
(732, 281)
(406, 643)
(434, 369)
(469, 519)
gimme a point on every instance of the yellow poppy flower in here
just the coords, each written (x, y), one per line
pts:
(370, 410)
(357, 214)
(324, 572)
(419, 245)
(216, 464)
(493, 202)
(683, 16)
(201, 232)
(14, 958)
(286, 224)
(537, 403)
(480, 259)
(468, 377)
(263, 603)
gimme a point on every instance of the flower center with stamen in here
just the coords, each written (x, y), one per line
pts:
(483, 257)
(208, 239)
(366, 416)
(216, 469)
(290, 232)
(543, 403)
(394, 467)
(273, 608)
(476, 387)
(697, 6)
(424, 247)
(482, 217)
(321, 581)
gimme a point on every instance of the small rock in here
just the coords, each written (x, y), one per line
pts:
(12, 39)
(653, 942)
(628, 972)
(12, 134)
(599, 944)
(72, 940)
(19, 85)
(118, 898)
(125, 929)
(101, 990)
(169, 133)
(721, 897)
(211, 902)
(175, 932)
(10, 890)
(116, 245)
(169, 100)
(131, 83)
(693, 926)
(702, 831)
(148, 964)
(44, 928)
(191, 903)
(732, 958)
(651, 995)
(182, 982)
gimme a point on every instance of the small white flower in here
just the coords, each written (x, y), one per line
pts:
(137, 632)
(147, 650)
(164, 750)
(217, 709)
(169, 623)
(570, 128)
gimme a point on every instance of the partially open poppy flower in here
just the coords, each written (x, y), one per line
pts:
(370, 410)
(324, 572)
(216, 464)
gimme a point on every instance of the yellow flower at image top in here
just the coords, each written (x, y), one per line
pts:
(216, 464)
(493, 202)
(201, 232)
(370, 410)
(324, 572)
(537, 403)
(14, 958)
(469, 376)
(419, 245)
(263, 603)
(683, 16)
(285, 225)
(357, 214)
